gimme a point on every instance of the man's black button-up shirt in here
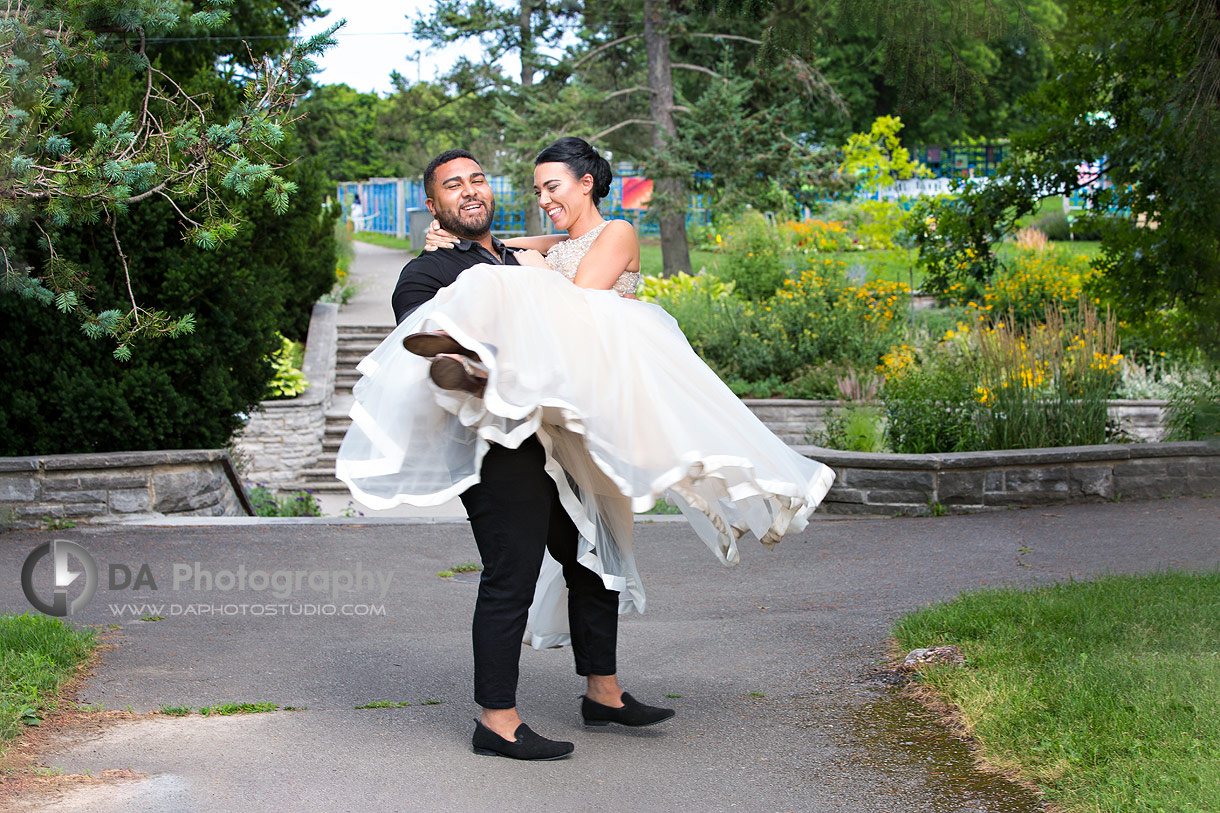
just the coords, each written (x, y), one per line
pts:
(427, 273)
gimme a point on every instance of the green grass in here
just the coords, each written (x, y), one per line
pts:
(1105, 693)
(223, 709)
(175, 711)
(384, 704)
(37, 654)
(383, 240)
(650, 259)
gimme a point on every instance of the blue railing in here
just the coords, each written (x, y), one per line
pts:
(384, 203)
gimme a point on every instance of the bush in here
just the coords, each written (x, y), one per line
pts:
(754, 256)
(288, 380)
(1082, 226)
(1004, 386)
(856, 428)
(1193, 411)
(930, 407)
(65, 393)
(295, 504)
(1031, 281)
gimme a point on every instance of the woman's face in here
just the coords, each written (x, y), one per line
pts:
(562, 196)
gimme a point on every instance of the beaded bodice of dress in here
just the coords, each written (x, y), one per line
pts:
(565, 257)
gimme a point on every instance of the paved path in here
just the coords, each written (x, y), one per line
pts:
(374, 271)
(797, 626)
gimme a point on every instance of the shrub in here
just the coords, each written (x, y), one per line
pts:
(65, 393)
(754, 256)
(930, 406)
(1030, 282)
(288, 381)
(799, 341)
(1004, 386)
(855, 428)
(808, 237)
(1048, 384)
(1193, 411)
(294, 504)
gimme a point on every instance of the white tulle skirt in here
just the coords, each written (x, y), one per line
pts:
(625, 409)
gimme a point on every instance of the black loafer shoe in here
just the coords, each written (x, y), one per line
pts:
(633, 713)
(528, 745)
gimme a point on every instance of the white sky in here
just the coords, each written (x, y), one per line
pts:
(376, 41)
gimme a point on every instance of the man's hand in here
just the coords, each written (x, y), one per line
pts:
(438, 238)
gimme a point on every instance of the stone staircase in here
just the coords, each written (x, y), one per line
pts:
(354, 343)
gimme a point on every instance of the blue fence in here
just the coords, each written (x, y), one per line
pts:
(385, 201)
(384, 205)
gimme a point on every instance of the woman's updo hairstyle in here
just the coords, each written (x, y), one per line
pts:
(581, 159)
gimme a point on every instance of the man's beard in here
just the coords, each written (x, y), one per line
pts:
(468, 230)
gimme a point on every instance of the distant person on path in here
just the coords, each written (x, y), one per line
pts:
(355, 216)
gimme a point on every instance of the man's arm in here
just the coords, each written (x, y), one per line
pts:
(419, 281)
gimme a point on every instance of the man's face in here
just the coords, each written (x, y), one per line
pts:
(461, 199)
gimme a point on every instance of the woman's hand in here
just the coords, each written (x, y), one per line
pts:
(438, 238)
(530, 257)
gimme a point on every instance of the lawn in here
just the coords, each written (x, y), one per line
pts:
(383, 240)
(1106, 693)
(895, 265)
(37, 654)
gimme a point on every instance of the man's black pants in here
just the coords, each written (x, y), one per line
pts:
(515, 512)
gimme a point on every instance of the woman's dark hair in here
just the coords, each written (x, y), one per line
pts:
(581, 159)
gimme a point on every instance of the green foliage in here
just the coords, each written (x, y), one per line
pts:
(1005, 386)
(102, 123)
(853, 428)
(1102, 692)
(294, 504)
(1193, 411)
(1135, 97)
(753, 256)
(682, 287)
(288, 381)
(788, 339)
(932, 407)
(741, 155)
(37, 654)
(65, 393)
(340, 127)
(877, 158)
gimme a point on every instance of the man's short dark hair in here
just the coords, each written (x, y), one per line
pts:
(444, 158)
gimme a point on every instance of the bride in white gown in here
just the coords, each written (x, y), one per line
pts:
(624, 408)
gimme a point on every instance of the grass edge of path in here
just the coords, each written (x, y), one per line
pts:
(1099, 694)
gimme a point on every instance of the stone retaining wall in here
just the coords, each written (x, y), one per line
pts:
(972, 481)
(284, 437)
(97, 487)
(794, 421)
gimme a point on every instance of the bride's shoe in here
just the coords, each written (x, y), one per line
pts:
(456, 374)
(432, 344)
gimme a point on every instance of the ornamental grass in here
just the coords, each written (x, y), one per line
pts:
(1005, 384)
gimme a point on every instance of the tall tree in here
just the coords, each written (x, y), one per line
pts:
(1132, 124)
(339, 126)
(74, 159)
(670, 191)
(518, 29)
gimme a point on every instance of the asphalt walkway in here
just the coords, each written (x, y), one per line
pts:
(768, 658)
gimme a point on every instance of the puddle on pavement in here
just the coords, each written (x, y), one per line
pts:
(932, 770)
